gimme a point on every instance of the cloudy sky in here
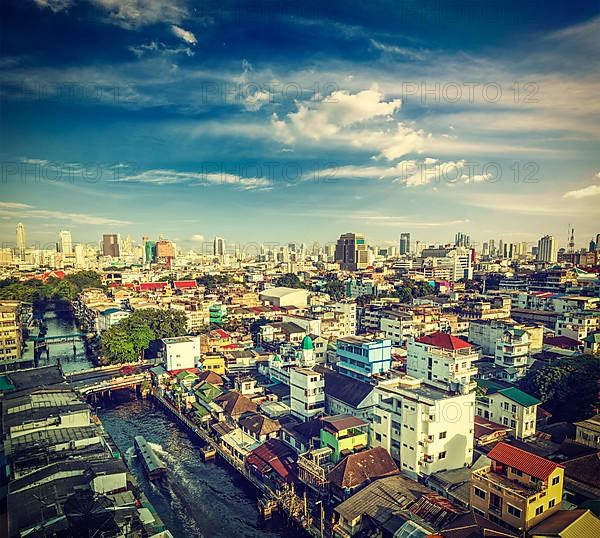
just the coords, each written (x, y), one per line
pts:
(300, 121)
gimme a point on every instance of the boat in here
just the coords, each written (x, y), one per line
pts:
(152, 465)
(208, 452)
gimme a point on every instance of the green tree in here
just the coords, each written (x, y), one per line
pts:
(122, 344)
(335, 289)
(163, 323)
(289, 280)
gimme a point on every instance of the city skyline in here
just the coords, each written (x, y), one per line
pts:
(191, 124)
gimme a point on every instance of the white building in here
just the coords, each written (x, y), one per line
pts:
(512, 354)
(66, 243)
(181, 352)
(282, 296)
(425, 429)
(510, 407)
(547, 249)
(307, 393)
(444, 361)
(347, 308)
(485, 333)
(577, 325)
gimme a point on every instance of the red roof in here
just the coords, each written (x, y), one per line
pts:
(273, 454)
(181, 284)
(444, 340)
(51, 274)
(563, 342)
(150, 286)
(222, 333)
(523, 461)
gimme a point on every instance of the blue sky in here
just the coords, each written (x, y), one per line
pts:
(300, 121)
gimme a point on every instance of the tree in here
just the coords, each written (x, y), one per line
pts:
(335, 289)
(163, 323)
(289, 280)
(121, 344)
(568, 388)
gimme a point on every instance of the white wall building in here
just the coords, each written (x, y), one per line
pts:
(307, 393)
(577, 325)
(282, 296)
(181, 352)
(444, 361)
(425, 429)
(512, 354)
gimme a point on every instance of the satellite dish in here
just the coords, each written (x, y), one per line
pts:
(85, 510)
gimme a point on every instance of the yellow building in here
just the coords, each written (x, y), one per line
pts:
(11, 338)
(518, 489)
(214, 362)
(344, 434)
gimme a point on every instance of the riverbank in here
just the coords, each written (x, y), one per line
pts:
(204, 499)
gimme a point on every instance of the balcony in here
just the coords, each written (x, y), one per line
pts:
(509, 488)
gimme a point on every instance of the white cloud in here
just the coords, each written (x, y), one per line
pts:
(212, 176)
(585, 192)
(55, 6)
(24, 211)
(136, 13)
(197, 237)
(185, 35)
(14, 205)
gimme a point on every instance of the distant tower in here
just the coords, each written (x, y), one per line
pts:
(572, 240)
(21, 241)
(65, 242)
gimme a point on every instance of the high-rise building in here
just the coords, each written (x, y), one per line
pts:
(110, 245)
(404, 243)
(351, 252)
(462, 240)
(547, 249)
(65, 243)
(21, 241)
(219, 247)
(11, 341)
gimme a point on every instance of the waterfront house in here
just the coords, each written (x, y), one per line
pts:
(344, 434)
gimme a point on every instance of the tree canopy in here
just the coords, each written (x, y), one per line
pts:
(289, 280)
(125, 340)
(568, 388)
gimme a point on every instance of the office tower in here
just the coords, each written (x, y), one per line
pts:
(20, 241)
(65, 244)
(492, 247)
(485, 249)
(501, 248)
(110, 245)
(351, 252)
(598, 242)
(219, 246)
(547, 249)
(462, 240)
(164, 250)
(404, 243)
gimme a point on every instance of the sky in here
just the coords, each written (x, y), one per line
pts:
(298, 121)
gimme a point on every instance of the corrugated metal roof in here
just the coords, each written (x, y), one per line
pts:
(524, 461)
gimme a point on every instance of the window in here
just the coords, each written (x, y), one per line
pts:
(505, 421)
(443, 435)
(378, 437)
(517, 472)
(555, 480)
(539, 510)
(505, 405)
(513, 510)
(479, 492)
(513, 408)
(551, 503)
(513, 424)
(442, 455)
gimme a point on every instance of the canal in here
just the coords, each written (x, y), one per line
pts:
(71, 360)
(196, 498)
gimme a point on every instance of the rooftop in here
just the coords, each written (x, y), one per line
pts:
(444, 341)
(524, 461)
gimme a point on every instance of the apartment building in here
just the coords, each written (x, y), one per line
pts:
(11, 336)
(512, 354)
(577, 325)
(361, 357)
(181, 352)
(485, 334)
(588, 432)
(426, 429)
(401, 323)
(444, 361)
(509, 407)
(307, 393)
(518, 489)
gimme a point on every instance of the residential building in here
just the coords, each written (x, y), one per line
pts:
(357, 287)
(181, 352)
(518, 489)
(11, 332)
(547, 249)
(508, 406)
(426, 429)
(282, 296)
(444, 361)
(577, 325)
(307, 393)
(344, 435)
(568, 524)
(360, 357)
(351, 252)
(485, 333)
(587, 432)
(512, 354)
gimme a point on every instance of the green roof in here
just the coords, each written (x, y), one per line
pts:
(490, 386)
(519, 396)
(5, 384)
(592, 338)
(307, 343)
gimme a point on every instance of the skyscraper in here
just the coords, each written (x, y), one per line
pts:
(547, 249)
(110, 245)
(219, 247)
(65, 243)
(462, 240)
(20, 241)
(351, 252)
(404, 243)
